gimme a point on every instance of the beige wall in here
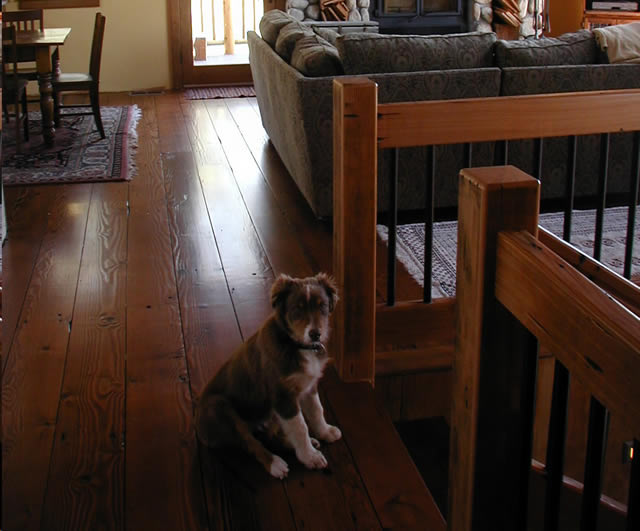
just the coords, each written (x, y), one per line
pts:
(135, 54)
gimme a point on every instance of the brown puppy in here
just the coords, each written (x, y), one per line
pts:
(270, 381)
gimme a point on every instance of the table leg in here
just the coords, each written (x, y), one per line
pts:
(43, 62)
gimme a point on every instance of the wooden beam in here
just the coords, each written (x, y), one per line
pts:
(486, 374)
(426, 341)
(594, 336)
(543, 115)
(354, 226)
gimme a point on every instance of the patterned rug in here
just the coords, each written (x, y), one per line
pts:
(207, 93)
(78, 153)
(410, 245)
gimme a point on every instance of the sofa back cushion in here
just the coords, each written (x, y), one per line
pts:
(315, 57)
(288, 36)
(371, 53)
(577, 48)
(271, 23)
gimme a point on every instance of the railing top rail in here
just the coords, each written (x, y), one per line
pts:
(507, 117)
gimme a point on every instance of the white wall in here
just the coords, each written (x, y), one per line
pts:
(135, 53)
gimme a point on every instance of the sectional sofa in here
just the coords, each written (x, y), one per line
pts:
(294, 65)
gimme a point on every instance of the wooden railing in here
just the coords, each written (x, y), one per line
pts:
(493, 394)
(512, 289)
(226, 21)
(367, 338)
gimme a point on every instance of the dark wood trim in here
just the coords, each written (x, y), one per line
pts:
(57, 4)
(173, 22)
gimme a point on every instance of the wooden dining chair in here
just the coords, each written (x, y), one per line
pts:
(14, 87)
(66, 82)
(25, 20)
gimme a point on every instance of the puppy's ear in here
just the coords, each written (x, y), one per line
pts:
(329, 284)
(280, 289)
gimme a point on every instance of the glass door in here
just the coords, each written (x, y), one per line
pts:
(210, 36)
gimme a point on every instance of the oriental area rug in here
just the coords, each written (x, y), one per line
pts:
(78, 154)
(410, 245)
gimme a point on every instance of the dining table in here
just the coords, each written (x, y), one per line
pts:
(42, 41)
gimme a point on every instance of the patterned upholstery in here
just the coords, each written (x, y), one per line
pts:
(327, 34)
(271, 23)
(297, 108)
(577, 48)
(532, 80)
(315, 57)
(288, 37)
(372, 53)
(317, 103)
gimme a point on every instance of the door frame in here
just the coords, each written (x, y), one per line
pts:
(183, 73)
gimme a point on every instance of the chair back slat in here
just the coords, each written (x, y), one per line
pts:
(96, 46)
(24, 20)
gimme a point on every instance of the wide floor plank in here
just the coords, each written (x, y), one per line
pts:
(35, 366)
(85, 489)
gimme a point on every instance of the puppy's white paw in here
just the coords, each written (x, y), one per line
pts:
(315, 442)
(313, 459)
(332, 434)
(279, 468)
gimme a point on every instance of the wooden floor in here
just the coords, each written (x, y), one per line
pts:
(121, 300)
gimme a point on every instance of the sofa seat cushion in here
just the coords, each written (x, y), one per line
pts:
(288, 37)
(577, 48)
(371, 53)
(315, 57)
(271, 23)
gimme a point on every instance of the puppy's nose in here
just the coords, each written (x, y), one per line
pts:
(314, 335)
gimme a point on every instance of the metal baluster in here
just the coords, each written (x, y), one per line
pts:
(392, 226)
(468, 155)
(602, 193)
(555, 446)
(594, 464)
(538, 147)
(428, 223)
(570, 190)
(633, 201)
(501, 156)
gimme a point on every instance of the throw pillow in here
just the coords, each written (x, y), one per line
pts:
(271, 23)
(288, 37)
(327, 34)
(315, 57)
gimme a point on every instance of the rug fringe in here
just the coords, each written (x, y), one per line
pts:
(132, 145)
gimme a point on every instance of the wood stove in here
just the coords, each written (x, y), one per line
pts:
(420, 16)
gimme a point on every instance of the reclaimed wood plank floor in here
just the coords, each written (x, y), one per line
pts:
(121, 301)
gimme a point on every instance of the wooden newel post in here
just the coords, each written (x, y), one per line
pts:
(493, 388)
(354, 221)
